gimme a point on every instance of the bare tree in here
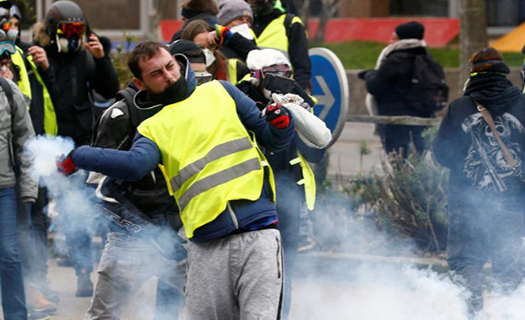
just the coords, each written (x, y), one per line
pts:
(473, 33)
(303, 9)
(330, 8)
(155, 15)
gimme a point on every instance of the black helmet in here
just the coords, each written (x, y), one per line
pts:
(64, 11)
(15, 12)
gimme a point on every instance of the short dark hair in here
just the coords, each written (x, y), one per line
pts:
(143, 51)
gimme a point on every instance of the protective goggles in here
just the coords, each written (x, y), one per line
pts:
(69, 29)
(278, 70)
(7, 48)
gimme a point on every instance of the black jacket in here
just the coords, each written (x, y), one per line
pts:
(391, 82)
(238, 47)
(36, 107)
(297, 48)
(115, 130)
(465, 144)
(76, 75)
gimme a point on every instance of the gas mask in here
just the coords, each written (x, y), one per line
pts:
(210, 57)
(69, 36)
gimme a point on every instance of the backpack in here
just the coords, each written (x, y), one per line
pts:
(428, 90)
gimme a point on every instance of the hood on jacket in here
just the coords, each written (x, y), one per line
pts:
(149, 108)
(493, 90)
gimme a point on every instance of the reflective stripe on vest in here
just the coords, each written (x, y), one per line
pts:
(232, 71)
(23, 82)
(50, 119)
(274, 35)
(308, 180)
(217, 152)
(207, 154)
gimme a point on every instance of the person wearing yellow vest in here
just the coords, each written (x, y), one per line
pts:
(294, 179)
(203, 138)
(274, 28)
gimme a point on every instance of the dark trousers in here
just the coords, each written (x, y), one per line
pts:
(33, 239)
(12, 284)
(482, 233)
(397, 138)
(290, 202)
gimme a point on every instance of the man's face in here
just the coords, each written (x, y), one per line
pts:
(158, 73)
(394, 38)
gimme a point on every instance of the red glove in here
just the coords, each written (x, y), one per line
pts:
(65, 164)
(277, 116)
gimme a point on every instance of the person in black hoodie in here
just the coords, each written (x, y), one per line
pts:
(390, 83)
(486, 202)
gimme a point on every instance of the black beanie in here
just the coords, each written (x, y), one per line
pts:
(192, 51)
(410, 30)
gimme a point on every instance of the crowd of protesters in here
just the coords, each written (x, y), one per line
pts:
(211, 169)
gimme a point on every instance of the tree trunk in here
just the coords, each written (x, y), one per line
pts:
(328, 11)
(473, 33)
(155, 15)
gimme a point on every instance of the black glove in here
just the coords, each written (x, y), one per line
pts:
(362, 75)
(65, 164)
(277, 116)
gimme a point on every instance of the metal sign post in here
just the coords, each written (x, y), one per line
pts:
(330, 88)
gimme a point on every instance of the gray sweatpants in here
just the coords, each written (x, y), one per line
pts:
(237, 277)
(126, 264)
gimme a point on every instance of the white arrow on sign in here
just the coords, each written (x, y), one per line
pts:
(327, 99)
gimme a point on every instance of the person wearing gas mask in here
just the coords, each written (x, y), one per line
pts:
(271, 74)
(274, 28)
(80, 65)
(211, 39)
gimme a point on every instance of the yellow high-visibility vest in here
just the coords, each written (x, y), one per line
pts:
(208, 156)
(23, 82)
(50, 119)
(274, 35)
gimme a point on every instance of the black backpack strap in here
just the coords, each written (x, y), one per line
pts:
(288, 24)
(127, 95)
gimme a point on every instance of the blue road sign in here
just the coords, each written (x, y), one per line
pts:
(330, 87)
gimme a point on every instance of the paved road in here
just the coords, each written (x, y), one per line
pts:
(344, 154)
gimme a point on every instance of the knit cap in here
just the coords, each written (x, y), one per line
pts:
(410, 30)
(232, 9)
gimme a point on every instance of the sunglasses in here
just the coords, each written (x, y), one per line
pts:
(69, 29)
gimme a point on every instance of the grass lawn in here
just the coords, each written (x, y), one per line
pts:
(363, 55)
